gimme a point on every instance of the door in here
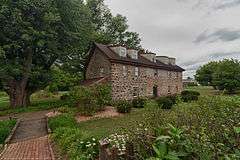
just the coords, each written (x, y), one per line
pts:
(155, 91)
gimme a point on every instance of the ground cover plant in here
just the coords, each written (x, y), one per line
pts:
(5, 128)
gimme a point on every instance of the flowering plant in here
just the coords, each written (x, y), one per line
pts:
(119, 141)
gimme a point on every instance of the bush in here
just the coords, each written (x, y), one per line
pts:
(138, 103)
(188, 96)
(65, 97)
(5, 129)
(166, 102)
(64, 120)
(123, 106)
(76, 143)
(90, 100)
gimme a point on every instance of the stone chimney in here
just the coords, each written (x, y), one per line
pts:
(120, 50)
(163, 59)
(149, 56)
(132, 53)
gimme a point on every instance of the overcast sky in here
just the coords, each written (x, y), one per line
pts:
(193, 31)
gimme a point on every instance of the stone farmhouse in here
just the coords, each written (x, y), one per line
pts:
(132, 73)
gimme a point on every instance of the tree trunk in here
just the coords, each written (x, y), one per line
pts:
(18, 89)
(19, 95)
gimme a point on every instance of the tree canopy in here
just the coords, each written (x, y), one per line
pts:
(223, 75)
(35, 34)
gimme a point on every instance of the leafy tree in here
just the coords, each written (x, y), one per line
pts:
(109, 28)
(227, 75)
(223, 75)
(62, 80)
(33, 36)
(204, 75)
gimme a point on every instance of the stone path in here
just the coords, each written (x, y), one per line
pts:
(30, 141)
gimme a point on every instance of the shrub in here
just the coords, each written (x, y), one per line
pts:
(138, 103)
(123, 106)
(166, 102)
(65, 97)
(187, 96)
(64, 120)
(90, 100)
(75, 143)
(5, 129)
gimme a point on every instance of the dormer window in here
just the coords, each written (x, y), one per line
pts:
(123, 52)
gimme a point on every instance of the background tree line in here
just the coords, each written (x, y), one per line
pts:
(36, 35)
(222, 75)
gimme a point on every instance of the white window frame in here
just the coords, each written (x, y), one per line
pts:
(136, 71)
(124, 71)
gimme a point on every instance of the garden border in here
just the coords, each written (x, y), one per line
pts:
(49, 131)
(6, 142)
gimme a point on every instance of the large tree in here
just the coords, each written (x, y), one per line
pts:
(222, 75)
(109, 28)
(204, 74)
(33, 35)
(227, 75)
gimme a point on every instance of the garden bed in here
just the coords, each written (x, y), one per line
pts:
(7, 130)
(109, 112)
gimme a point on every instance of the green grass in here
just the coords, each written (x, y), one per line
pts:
(39, 101)
(5, 129)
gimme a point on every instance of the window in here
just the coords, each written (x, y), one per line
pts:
(123, 52)
(136, 71)
(169, 89)
(135, 92)
(155, 72)
(124, 71)
(169, 75)
(101, 71)
(177, 89)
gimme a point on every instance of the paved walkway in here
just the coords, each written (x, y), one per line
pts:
(30, 141)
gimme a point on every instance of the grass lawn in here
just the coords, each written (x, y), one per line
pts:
(5, 128)
(39, 101)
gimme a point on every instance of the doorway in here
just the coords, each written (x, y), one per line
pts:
(155, 91)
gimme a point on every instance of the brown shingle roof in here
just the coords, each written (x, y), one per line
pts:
(141, 61)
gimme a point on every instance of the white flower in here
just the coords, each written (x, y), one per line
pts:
(94, 139)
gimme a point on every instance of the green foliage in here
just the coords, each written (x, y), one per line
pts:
(170, 144)
(111, 29)
(204, 75)
(222, 75)
(123, 106)
(166, 102)
(227, 75)
(138, 102)
(76, 143)
(64, 120)
(90, 100)
(5, 128)
(62, 80)
(188, 96)
(34, 35)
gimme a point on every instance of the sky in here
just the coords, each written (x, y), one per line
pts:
(193, 31)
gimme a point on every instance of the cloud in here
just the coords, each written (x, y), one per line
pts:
(224, 35)
(224, 4)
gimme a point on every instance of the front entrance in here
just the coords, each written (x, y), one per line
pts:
(155, 91)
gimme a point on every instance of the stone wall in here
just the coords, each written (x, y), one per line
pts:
(125, 87)
(99, 66)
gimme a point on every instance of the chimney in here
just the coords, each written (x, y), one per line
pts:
(120, 50)
(172, 61)
(132, 53)
(149, 56)
(163, 59)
